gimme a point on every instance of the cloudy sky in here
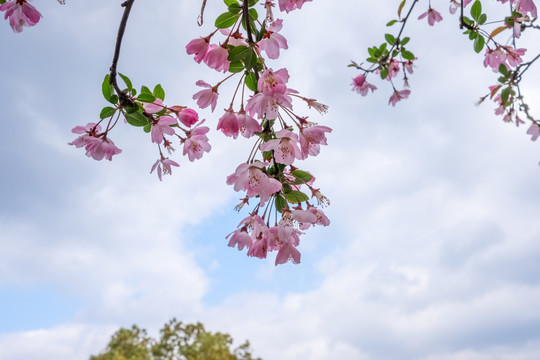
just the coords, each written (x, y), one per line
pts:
(433, 248)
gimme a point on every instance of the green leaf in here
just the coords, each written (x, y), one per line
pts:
(159, 92)
(391, 22)
(407, 55)
(147, 98)
(234, 8)
(479, 43)
(114, 99)
(147, 128)
(503, 70)
(226, 20)
(252, 2)
(132, 109)
(390, 39)
(236, 66)
(229, 2)
(106, 112)
(473, 35)
(281, 203)
(505, 94)
(251, 59)
(476, 10)
(296, 196)
(145, 90)
(401, 7)
(251, 81)
(127, 81)
(303, 176)
(107, 89)
(482, 20)
(238, 53)
(404, 41)
(384, 73)
(253, 14)
(137, 119)
(261, 33)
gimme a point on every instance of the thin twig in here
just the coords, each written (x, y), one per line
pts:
(200, 18)
(124, 99)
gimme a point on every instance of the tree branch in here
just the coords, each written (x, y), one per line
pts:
(124, 99)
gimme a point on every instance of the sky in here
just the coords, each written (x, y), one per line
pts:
(433, 247)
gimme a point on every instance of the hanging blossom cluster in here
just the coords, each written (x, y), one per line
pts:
(391, 58)
(286, 202)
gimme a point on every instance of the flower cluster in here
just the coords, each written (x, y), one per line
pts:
(270, 174)
(146, 110)
(390, 58)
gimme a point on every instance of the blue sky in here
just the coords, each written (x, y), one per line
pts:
(433, 248)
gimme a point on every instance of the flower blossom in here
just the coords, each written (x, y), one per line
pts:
(273, 94)
(154, 107)
(433, 16)
(20, 13)
(196, 143)
(166, 163)
(361, 86)
(250, 178)
(247, 125)
(454, 5)
(311, 139)
(398, 95)
(217, 58)
(199, 48)
(285, 147)
(290, 5)
(160, 127)
(272, 41)
(228, 124)
(534, 131)
(187, 116)
(99, 148)
(207, 96)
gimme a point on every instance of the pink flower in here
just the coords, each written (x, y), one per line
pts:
(273, 94)
(454, 5)
(525, 6)
(534, 131)
(433, 16)
(311, 139)
(247, 125)
(393, 69)
(160, 127)
(196, 143)
(217, 58)
(290, 5)
(99, 148)
(155, 107)
(206, 97)
(188, 117)
(494, 58)
(199, 48)
(513, 56)
(398, 95)
(285, 147)
(250, 178)
(166, 163)
(272, 41)
(228, 124)
(90, 130)
(361, 86)
(240, 238)
(20, 13)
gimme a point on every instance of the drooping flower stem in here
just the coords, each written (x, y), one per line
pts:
(124, 99)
